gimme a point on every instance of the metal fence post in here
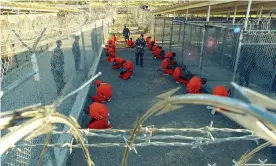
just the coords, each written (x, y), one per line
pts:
(103, 35)
(202, 49)
(171, 34)
(154, 28)
(183, 43)
(191, 32)
(224, 44)
(163, 31)
(238, 56)
(179, 33)
(96, 37)
(84, 53)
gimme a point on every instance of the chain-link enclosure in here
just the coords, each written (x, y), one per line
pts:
(257, 60)
(44, 57)
(210, 49)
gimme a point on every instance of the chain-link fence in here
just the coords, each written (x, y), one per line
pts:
(210, 49)
(257, 60)
(44, 57)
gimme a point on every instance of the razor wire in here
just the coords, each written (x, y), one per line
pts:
(144, 136)
(27, 26)
(143, 18)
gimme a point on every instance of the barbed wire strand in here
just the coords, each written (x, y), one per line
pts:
(244, 159)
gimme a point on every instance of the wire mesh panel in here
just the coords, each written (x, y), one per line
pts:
(58, 65)
(192, 45)
(257, 60)
(217, 53)
(159, 24)
(167, 32)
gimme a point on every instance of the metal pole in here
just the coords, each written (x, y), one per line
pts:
(103, 33)
(179, 34)
(183, 42)
(84, 53)
(163, 31)
(202, 50)
(224, 44)
(171, 35)
(208, 14)
(260, 14)
(191, 32)
(228, 14)
(154, 28)
(238, 56)
(187, 11)
(37, 77)
(235, 12)
(96, 38)
(247, 14)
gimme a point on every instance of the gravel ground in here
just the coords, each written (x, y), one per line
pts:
(133, 97)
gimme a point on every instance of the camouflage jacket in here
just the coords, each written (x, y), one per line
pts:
(57, 61)
(76, 49)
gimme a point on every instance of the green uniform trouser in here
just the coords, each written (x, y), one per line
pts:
(59, 80)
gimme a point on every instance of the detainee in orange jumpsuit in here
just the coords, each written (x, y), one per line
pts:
(118, 63)
(154, 47)
(220, 91)
(151, 44)
(111, 44)
(99, 124)
(167, 69)
(195, 85)
(115, 38)
(158, 53)
(148, 41)
(104, 92)
(111, 55)
(98, 111)
(128, 70)
(130, 43)
(171, 56)
(179, 78)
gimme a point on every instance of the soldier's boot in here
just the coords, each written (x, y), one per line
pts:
(141, 61)
(137, 56)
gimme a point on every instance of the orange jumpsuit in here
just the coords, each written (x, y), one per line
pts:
(125, 75)
(104, 93)
(194, 86)
(157, 53)
(220, 91)
(148, 41)
(166, 68)
(130, 44)
(170, 55)
(154, 48)
(99, 124)
(118, 63)
(151, 44)
(177, 75)
(98, 111)
(111, 55)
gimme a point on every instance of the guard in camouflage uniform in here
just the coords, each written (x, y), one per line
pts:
(57, 68)
(76, 52)
(140, 43)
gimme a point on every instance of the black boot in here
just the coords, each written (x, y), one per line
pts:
(141, 60)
